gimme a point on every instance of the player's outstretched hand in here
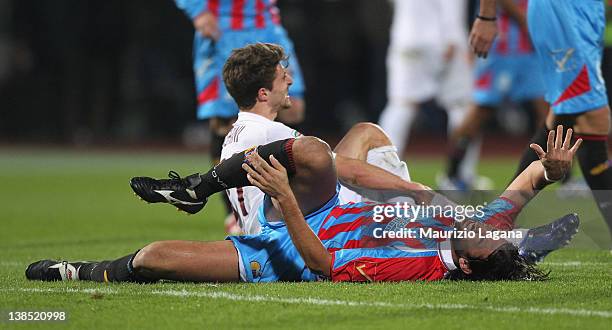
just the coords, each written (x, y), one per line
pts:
(271, 179)
(557, 159)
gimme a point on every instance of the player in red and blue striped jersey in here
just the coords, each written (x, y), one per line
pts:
(340, 243)
(221, 26)
(337, 242)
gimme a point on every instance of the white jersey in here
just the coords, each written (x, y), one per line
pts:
(428, 23)
(248, 131)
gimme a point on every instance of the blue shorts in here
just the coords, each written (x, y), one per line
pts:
(568, 37)
(270, 256)
(514, 78)
(209, 56)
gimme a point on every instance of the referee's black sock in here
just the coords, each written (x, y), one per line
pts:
(229, 173)
(119, 270)
(597, 171)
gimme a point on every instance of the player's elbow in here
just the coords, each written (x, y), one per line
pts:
(320, 266)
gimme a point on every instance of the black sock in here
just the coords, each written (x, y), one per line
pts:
(597, 171)
(119, 270)
(229, 173)
(216, 144)
(529, 155)
(457, 155)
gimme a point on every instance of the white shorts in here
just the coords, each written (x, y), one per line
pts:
(420, 74)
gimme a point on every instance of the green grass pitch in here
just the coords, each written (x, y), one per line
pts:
(69, 205)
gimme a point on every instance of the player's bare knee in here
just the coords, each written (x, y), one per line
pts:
(149, 256)
(373, 134)
(311, 152)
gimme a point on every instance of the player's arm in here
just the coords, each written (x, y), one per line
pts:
(359, 173)
(484, 29)
(203, 20)
(273, 181)
(553, 165)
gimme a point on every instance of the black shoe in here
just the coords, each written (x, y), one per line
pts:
(176, 191)
(541, 241)
(51, 270)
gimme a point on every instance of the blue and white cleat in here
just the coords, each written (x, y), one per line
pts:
(541, 241)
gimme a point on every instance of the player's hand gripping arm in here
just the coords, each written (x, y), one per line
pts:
(273, 180)
(552, 166)
(359, 173)
(484, 31)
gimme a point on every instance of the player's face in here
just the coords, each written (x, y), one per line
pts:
(279, 95)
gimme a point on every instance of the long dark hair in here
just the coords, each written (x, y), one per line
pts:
(504, 264)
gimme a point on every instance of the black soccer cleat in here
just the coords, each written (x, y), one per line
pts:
(51, 270)
(541, 241)
(176, 191)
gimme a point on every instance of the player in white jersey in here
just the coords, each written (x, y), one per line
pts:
(250, 130)
(364, 142)
(246, 70)
(428, 59)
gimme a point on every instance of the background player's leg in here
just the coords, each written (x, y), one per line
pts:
(539, 138)
(595, 164)
(188, 261)
(396, 120)
(463, 138)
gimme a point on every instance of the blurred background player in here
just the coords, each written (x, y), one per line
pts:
(509, 73)
(427, 59)
(221, 26)
(568, 38)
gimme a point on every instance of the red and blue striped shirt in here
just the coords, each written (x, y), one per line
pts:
(235, 14)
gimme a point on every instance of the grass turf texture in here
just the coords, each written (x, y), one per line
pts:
(78, 206)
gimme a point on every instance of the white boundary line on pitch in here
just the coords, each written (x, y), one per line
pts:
(564, 263)
(576, 263)
(326, 302)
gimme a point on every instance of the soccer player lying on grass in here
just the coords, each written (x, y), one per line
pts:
(337, 242)
(367, 163)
